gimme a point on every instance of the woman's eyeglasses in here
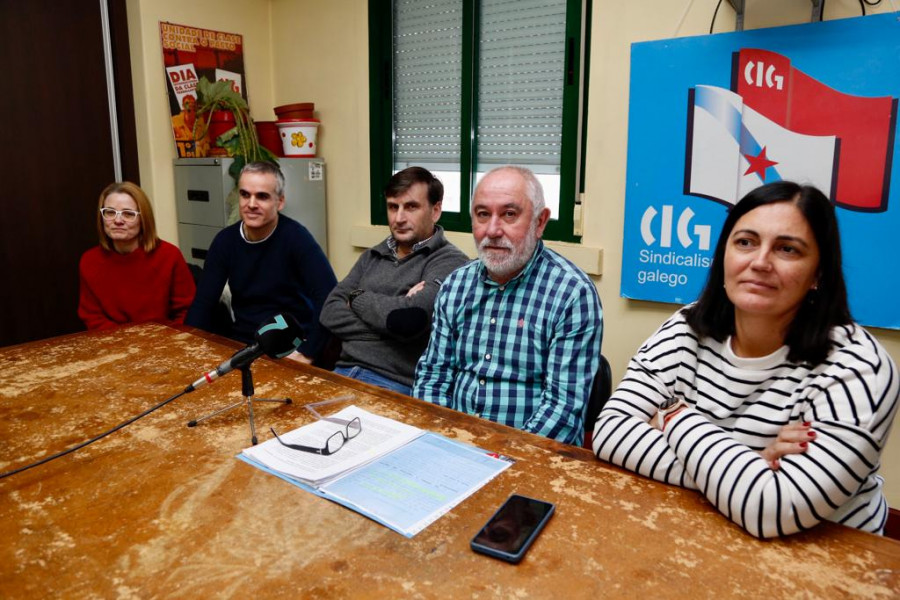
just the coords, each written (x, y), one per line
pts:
(111, 214)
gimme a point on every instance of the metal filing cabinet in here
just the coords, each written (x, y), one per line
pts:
(203, 184)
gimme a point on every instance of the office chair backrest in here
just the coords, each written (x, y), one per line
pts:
(600, 393)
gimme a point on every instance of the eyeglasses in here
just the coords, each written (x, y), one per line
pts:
(334, 442)
(337, 440)
(110, 214)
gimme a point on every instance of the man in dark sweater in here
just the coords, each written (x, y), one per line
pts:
(382, 311)
(271, 263)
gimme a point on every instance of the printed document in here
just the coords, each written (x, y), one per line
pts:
(401, 476)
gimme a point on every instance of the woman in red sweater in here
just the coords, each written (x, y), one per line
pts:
(132, 276)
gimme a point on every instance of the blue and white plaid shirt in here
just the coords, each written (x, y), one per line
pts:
(523, 354)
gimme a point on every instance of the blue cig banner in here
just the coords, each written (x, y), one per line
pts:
(712, 117)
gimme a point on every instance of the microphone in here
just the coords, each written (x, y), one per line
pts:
(276, 338)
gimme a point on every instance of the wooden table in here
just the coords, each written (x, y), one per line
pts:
(160, 510)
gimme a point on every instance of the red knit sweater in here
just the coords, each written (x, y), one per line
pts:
(135, 287)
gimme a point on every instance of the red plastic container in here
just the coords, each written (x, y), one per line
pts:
(299, 111)
(221, 121)
(269, 138)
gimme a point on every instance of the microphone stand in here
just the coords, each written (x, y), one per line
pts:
(247, 392)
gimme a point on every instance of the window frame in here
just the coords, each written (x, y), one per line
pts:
(575, 89)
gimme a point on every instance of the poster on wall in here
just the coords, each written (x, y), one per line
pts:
(713, 117)
(190, 53)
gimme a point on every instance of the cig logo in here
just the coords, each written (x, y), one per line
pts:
(682, 228)
(762, 74)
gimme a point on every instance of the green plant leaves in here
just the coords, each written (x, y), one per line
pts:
(241, 141)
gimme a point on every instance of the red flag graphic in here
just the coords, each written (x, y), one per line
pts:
(864, 126)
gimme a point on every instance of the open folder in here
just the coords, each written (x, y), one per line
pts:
(394, 473)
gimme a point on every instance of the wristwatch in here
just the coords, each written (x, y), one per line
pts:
(667, 408)
(353, 296)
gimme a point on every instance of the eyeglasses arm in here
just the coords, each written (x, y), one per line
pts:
(323, 451)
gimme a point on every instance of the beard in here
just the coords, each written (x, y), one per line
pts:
(502, 264)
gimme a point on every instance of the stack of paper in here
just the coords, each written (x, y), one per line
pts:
(379, 436)
(395, 474)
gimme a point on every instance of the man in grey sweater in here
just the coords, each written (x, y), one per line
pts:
(382, 311)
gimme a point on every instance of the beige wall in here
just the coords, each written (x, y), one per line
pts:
(319, 54)
(156, 148)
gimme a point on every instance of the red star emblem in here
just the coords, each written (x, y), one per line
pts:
(759, 164)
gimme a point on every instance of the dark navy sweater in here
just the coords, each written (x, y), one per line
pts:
(287, 272)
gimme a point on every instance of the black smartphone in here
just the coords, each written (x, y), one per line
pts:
(509, 533)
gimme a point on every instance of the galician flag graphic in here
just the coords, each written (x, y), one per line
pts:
(734, 149)
(780, 124)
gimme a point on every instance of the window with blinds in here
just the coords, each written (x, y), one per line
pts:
(521, 68)
(462, 86)
(427, 83)
(520, 82)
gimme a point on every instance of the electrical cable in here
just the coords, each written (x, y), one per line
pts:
(95, 438)
(713, 22)
(276, 337)
(684, 13)
(864, 3)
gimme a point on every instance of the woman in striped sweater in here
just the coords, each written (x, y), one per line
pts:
(763, 395)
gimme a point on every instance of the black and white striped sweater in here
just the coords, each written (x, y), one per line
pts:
(736, 408)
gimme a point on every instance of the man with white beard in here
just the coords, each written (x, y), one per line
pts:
(516, 335)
